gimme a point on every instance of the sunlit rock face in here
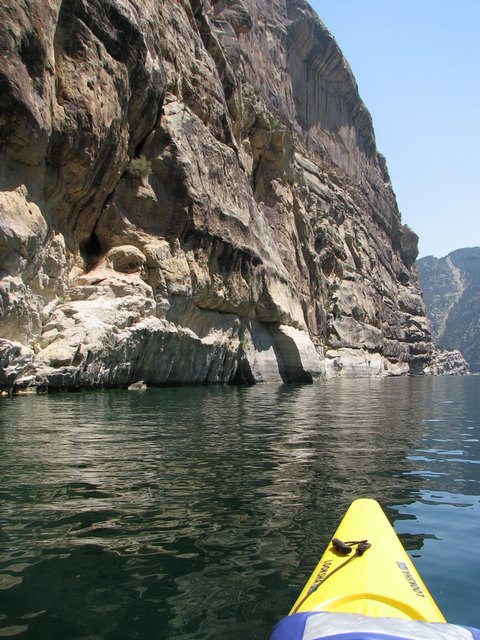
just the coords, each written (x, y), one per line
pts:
(451, 287)
(191, 192)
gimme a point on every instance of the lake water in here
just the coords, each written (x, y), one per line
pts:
(195, 513)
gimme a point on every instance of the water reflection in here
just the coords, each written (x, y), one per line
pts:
(183, 512)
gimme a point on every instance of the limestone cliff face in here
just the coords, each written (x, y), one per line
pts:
(191, 192)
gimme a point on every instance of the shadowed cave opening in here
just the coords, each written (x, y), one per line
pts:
(91, 251)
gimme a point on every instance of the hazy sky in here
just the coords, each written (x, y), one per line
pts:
(417, 66)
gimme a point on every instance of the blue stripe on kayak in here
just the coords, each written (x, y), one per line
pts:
(290, 628)
(293, 628)
(295, 631)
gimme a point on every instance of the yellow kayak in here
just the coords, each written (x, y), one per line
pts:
(382, 581)
(366, 586)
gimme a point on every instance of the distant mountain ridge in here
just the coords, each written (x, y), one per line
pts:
(451, 287)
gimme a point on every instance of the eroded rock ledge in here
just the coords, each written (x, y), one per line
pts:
(191, 192)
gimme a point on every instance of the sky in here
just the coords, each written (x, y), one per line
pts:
(417, 66)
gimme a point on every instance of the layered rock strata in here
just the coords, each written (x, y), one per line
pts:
(191, 192)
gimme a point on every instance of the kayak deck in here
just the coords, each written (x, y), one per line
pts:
(381, 582)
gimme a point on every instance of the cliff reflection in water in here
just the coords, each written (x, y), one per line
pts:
(193, 510)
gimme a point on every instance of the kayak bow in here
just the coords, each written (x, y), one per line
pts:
(366, 586)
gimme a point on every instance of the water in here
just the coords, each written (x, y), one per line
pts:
(198, 513)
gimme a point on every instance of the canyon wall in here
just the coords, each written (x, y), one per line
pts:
(451, 287)
(190, 191)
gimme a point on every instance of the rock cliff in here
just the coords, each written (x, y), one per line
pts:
(451, 287)
(191, 192)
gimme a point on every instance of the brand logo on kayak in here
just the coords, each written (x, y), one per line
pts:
(322, 573)
(410, 579)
